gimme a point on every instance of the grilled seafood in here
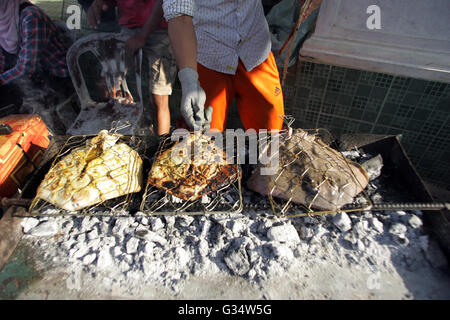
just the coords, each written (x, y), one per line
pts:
(192, 168)
(100, 170)
(311, 173)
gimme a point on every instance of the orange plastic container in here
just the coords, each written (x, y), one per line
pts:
(21, 150)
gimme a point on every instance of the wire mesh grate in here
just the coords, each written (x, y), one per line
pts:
(116, 206)
(311, 178)
(193, 187)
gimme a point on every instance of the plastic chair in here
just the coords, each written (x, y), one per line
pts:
(120, 109)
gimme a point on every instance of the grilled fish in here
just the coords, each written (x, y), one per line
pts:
(100, 170)
(311, 173)
(192, 168)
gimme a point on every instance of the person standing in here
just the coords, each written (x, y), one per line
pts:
(143, 23)
(223, 51)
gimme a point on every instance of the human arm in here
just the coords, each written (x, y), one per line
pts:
(94, 12)
(178, 14)
(138, 41)
(184, 45)
(33, 40)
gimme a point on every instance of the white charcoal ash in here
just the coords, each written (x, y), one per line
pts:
(28, 224)
(376, 225)
(373, 167)
(351, 154)
(254, 245)
(342, 221)
(284, 233)
(45, 229)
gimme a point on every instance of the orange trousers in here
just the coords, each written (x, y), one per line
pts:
(258, 95)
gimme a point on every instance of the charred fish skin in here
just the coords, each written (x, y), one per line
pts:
(102, 169)
(311, 173)
(189, 175)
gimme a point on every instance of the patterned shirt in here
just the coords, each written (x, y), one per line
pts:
(41, 47)
(226, 30)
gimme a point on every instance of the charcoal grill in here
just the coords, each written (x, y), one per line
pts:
(399, 180)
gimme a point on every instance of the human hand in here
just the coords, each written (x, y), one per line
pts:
(94, 12)
(134, 43)
(193, 101)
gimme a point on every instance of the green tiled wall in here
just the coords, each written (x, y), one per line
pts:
(352, 101)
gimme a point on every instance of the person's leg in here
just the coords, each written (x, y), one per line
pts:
(219, 94)
(162, 75)
(162, 113)
(259, 97)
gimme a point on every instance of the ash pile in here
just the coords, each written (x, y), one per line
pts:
(167, 250)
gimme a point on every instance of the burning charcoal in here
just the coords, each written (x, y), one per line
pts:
(93, 243)
(181, 257)
(81, 237)
(67, 226)
(89, 258)
(360, 245)
(351, 154)
(283, 252)
(373, 167)
(397, 215)
(342, 221)
(185, 221)
(237, 261)
(203, 248)
(81, 252)
(92, 234)
(144, 221)
(156, 223)
(117, 251)
(28, 224)
(170, 221)
(318, 232)
(305, 232)
(124, 266)
(284, 233)
(148, 249)
(132, 245)
(120, 225)
(398, 231)
(154, 237)
(361, 228)
(45, 229)
(377, 225)
(236, 227)
(414, 221)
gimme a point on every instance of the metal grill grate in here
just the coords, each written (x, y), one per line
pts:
(113, 207)
(226, 199)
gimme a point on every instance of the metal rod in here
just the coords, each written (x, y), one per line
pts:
(6, 202)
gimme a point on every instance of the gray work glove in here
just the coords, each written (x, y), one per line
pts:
(193, 101)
